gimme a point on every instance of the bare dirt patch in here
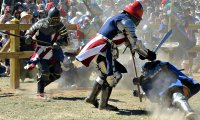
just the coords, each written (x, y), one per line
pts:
(21, 104)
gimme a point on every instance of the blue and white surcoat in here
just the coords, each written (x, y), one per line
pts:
(114, 32)
(42, 31)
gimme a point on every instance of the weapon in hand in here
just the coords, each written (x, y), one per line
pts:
(136, 75)
(24, 37)
(167, 35)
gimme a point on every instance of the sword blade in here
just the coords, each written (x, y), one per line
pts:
(167, 35)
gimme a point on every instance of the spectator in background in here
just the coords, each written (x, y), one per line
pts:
(75, 19)
(4, 39)
(49, 5)
(40, 7)
(42, 2)
(62, 9)
(41, 11)
(72, 12)
(3, 70)
(35, 16)
(25, 18)
(29, 5)
(6, 3)
(6, 16)
(17, 10)
(41, 14)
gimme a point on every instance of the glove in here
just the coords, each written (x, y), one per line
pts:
(136, 81)
(151, 56)
(111, 80)
(28, 39)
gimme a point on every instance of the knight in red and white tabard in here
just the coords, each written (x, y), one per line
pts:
(102, 49)
(48, 54)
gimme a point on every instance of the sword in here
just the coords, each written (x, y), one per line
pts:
(24, 37)
(167, 35)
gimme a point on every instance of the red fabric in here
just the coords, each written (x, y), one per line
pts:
(87, 61)
(63, 12)
(79, 34)
(31, 66)
(119, 41)
(50, 5)
(97, 43)
(164, 1)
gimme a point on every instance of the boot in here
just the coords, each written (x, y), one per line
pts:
(41, 96)
(106, 92)
(92, 98)
(179, 100)
(191, 116)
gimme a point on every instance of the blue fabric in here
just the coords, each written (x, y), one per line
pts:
(153, 92)
(2, 69)
(44, 37)
(109, 59)
(162, 27)
(58, 54)
(109, 29)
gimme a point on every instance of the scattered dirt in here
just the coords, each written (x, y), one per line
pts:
(21, 104)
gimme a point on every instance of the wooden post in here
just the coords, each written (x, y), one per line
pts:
(5, 47)
(14, 62)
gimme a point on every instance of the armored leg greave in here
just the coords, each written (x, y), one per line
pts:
(180, 101)
(105, 95)
(92, 98)
(42, 82)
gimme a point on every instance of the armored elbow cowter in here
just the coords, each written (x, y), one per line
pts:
(128, 28)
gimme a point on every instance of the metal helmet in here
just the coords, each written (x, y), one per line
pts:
(135, 9)
(54, 16)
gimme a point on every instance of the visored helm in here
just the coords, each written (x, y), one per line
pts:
(54, 16)
(135, 9)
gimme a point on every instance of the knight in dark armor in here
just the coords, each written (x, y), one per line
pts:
(50, 33)
(166, 85)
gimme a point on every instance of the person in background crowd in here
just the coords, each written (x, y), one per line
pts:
(25, 18)
(50, 5)
(29, 5)
(75, 19)
(17, 10)
(5, 4)
(3, 70)
(6, 16)
(41, 14)
(4, 39)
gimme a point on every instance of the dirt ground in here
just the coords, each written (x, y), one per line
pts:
(21, 104)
